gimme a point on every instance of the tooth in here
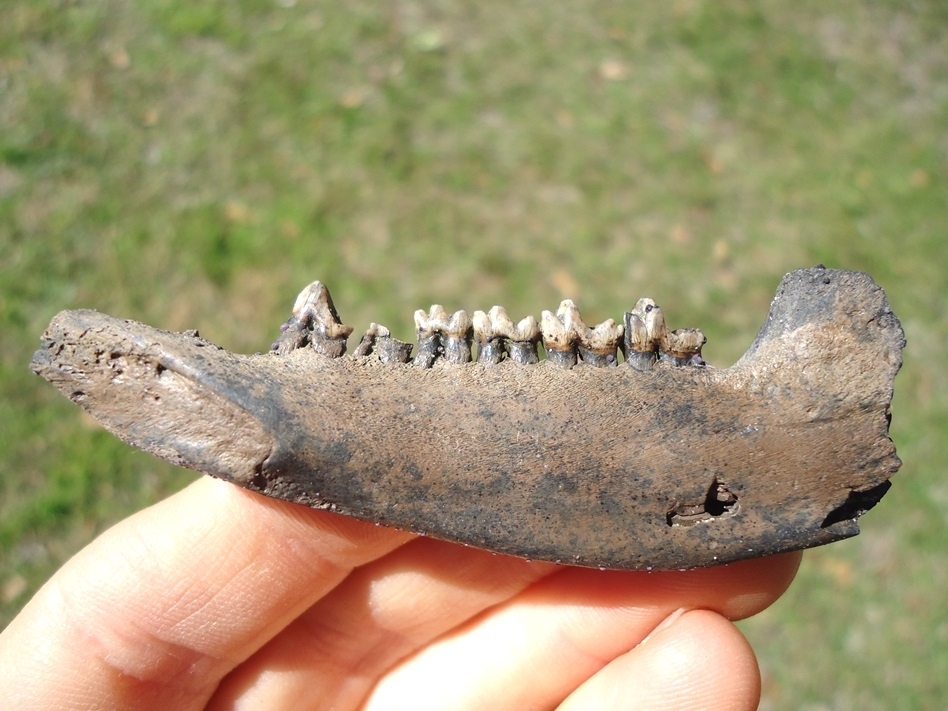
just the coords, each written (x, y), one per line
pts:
(561, 333)
(378, 340)
(457, 338)
(683, 346)
(429, 328)
(316, 321)
(521, 340)
(490, 345)
(644, 329)
(598, 345)
(366, 346)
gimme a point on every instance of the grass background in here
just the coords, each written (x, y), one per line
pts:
(194, 165)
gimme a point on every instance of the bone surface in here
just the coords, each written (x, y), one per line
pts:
(660, 468)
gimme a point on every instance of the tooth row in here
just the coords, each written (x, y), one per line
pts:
(642, 337)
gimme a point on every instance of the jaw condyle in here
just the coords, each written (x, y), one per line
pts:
(654, 460)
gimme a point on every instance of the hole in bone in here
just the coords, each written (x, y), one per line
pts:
(719, 502)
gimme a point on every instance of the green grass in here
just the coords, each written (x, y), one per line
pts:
(196, 165)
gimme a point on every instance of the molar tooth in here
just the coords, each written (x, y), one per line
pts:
(683, 346)
(598, 345)
(522, 341)
(315, 321)
(457, 338)
(490, 347)
(429, 328)
(561, 332)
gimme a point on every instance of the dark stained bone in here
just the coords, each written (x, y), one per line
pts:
(673, 467)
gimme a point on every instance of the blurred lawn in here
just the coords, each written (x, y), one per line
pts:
(194, 165)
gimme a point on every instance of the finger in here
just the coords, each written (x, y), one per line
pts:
(695, 660)
(380, 614)
(158, 609)
(536, 649)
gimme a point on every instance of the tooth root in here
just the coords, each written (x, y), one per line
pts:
(378, 341)
(683, 346)
(522, 341)
(598, 346)
(561, 333)
(315, 321)
(457, 338)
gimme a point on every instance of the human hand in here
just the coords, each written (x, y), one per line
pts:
(221, 599)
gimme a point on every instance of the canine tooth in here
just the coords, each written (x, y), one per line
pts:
(598, 345)
(457, 338)
(561, 332)
(316, 321)
(683, 346)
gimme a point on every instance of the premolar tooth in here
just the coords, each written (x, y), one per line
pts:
(316, 321)
(457, 338)
(561, 333)
(429, 328)
(522, 341)
(378, 340)
(598, 345)
(683, 346)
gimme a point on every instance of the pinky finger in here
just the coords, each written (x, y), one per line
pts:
(695, 659)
